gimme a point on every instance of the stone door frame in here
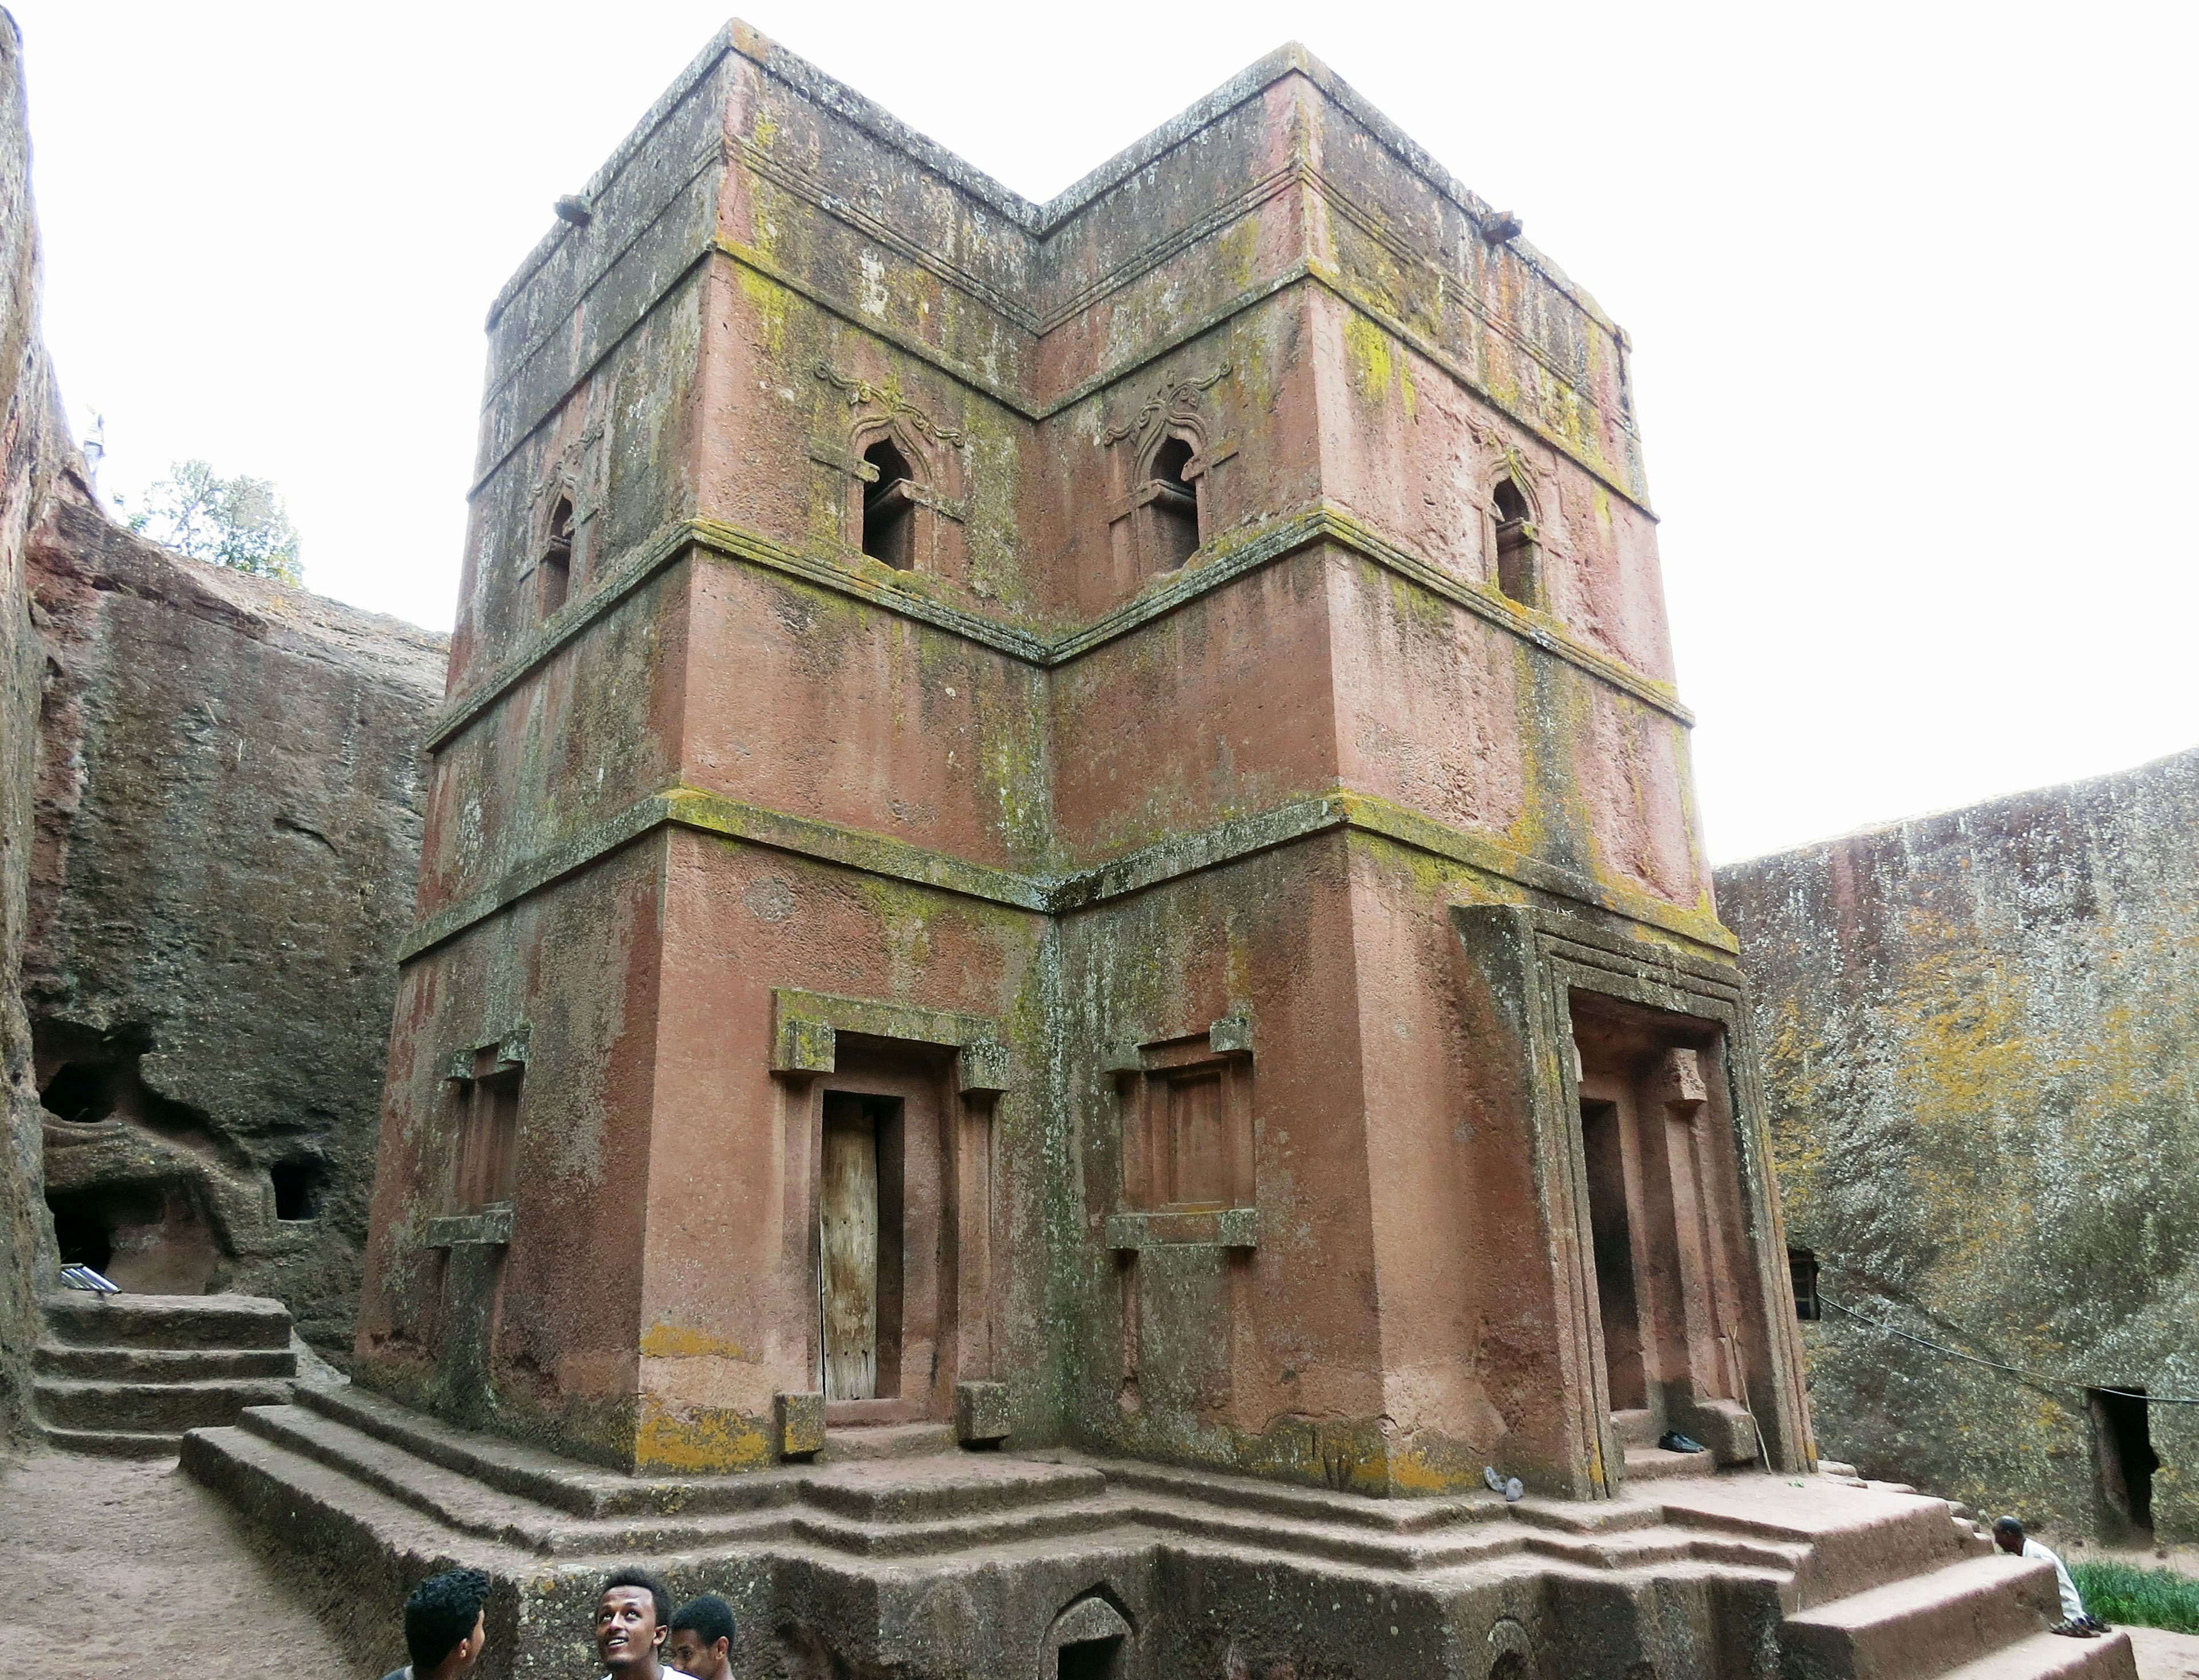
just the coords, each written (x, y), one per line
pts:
(1529, 961)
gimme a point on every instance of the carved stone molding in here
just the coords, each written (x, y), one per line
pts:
(859, 392)
(1173, 404)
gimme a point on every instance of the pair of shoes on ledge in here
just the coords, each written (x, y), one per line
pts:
(1674, 1442)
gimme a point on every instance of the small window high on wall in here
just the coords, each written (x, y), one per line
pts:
(1802, 1269)
(890, 507)
(553, 575)
(1174, 505)
(1518, 555)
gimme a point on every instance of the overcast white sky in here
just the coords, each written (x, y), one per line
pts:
(1909, 286)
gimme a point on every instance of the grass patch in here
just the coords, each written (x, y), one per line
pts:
(2117, 1593)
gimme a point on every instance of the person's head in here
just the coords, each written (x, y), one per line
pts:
(630, 1613)
(444, 1623)
(2008, 1534)
(701, 1640)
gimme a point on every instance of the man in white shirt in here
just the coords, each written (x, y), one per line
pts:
(633, 1614)
(2009, 1536)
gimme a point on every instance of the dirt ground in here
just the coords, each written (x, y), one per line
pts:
(132, 1570)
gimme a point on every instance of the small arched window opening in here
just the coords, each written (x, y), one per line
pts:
(1518, 555)
(890, 507)
(554, 574)
(1175, 505)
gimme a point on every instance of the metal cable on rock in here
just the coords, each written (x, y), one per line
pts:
(2013, 1370)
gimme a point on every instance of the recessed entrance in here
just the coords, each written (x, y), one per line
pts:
(1603, 1146)
(2122, 1448)
(859, 1246)
(1092, 1659)
(1671, 1265)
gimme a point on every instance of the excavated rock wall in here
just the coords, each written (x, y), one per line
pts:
(210, 820)
(34, 449)
(1981, 1037)
(229, 811)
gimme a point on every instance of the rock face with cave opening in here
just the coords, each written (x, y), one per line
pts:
(210, 814)
(229, 817)
(1983, 1075)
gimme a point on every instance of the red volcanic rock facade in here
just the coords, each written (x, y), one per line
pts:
(1068, 819)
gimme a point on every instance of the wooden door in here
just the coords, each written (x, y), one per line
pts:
(847, 1250)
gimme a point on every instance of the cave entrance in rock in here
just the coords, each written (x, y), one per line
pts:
(2123, 1455)
(152, 1239)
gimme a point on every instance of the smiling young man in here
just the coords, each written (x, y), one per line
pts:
(633, 1614)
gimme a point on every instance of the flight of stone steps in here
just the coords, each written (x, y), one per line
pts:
(1821, 1577)
(127, 1375)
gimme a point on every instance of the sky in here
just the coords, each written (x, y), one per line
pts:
(1909, 288)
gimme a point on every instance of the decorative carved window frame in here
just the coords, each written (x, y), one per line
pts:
(1525, 532)
(1177, 411)
(934, 453)
(502, 1057)
(1146, 1073)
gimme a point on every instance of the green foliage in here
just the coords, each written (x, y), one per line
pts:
(2118, 1593)
(239, 523)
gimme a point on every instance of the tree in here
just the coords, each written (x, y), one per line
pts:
(239, 523)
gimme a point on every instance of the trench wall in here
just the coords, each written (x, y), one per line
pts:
(1981, 1033)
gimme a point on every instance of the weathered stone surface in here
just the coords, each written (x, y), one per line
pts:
(34, 451)
(1981, 1038)
(228, 819)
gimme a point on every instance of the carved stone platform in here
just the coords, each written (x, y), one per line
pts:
(990, 1563)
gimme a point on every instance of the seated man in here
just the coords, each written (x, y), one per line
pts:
(632, 1614)
(2007, 1535)
(445, 1627)
(702, 1641)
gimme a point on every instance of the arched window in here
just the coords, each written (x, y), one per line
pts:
(1175, 505)
(553, 573)
(1519, 554)
(890, 507)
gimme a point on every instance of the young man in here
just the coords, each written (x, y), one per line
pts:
(445, 1628)
(702, 1641)
(631, 1614)
(2007, 1535)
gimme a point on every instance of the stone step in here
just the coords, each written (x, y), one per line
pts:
(867, 1443)
(1654, 1463)
(1245, 1493)
(1635, 1427)
(143, 1364)
(150, 1407)
(2054, 1656)
(578, 1489)
(1856, 1540)
(995, 1508)
(167, 1321)
(112, 1443)
(1919, 1628)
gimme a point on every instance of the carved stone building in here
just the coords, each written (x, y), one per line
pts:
(1068, 825)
